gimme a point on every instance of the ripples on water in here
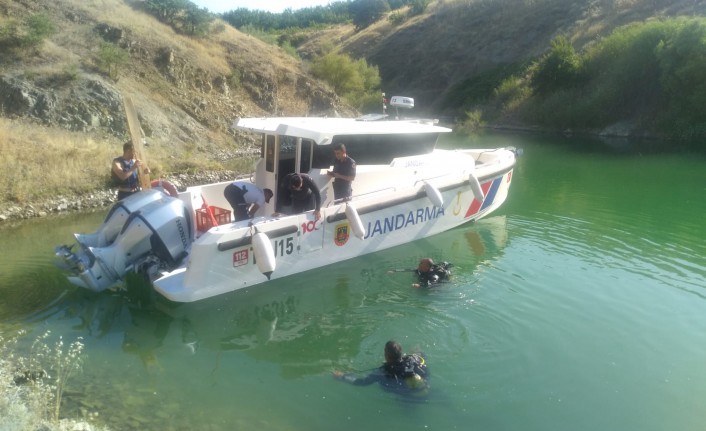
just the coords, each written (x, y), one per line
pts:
(570, 301)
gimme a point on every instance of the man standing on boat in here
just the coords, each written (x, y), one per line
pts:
(304, 193)
(246, 198)
(343, 173)
(124, 172)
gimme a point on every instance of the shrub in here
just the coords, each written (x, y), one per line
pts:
(353, 79)
(30, 34)
(396, 18)
(472, 121)
(33, 383)
(111, 57)
(39, 28)
(558, 68)
(234, 79)
(511, 93)
(419, 6)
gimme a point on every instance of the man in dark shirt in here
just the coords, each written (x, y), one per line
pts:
(124, 172)
(399, 373)
(343, 173)
(305, 194)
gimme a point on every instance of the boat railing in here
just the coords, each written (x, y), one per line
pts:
(424, 180)
(361, 196)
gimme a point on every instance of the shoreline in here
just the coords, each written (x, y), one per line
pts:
(12, 213)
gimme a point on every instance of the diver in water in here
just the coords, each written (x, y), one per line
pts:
(429, 273)
(399, 373)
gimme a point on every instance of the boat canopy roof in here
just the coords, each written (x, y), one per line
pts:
(322, 130)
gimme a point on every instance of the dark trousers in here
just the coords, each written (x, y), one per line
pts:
(236, 198)
(342, 190)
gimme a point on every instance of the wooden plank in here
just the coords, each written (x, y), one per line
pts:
(133, 124)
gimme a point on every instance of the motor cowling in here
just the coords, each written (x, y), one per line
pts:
(116, 218)
(160, 228)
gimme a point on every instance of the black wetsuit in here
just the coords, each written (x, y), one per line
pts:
(408, 375)
(437, 274)
(307, 198)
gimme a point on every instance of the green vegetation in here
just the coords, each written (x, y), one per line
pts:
(559, 68)
(28, 34)
(366, 12)
(111, 57)
(182, 15)
(33, 382)
(361, 12)
(648, 74)
(353, 79)
(480, 89)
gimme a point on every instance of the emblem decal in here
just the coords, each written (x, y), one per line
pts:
(342, 233)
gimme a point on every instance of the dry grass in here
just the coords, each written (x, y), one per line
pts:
(43, 162)
(37, 161)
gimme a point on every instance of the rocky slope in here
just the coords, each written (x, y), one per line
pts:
(188, 91)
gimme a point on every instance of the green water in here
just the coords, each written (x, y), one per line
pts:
(580, 305)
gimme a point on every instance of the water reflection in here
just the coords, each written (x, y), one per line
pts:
(304, 323)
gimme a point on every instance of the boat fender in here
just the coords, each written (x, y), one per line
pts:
(434, 195)
(166, 187)
(354, 220)
(475, 187)
(264, 254)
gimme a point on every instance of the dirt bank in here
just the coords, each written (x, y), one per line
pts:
(97, 200)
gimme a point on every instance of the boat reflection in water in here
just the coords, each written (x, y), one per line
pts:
(304, 324)
(335, 312)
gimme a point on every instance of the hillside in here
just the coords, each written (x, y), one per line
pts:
(183, 87)
(456, 39)
(58, 97)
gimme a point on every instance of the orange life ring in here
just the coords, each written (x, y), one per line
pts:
(166, 187)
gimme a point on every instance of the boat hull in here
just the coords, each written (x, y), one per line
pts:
(223, 260)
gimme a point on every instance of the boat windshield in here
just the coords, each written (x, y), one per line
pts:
(376, 149)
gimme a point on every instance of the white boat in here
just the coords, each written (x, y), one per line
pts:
(405, 189)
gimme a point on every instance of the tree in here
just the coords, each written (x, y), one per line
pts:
(111, 57)
(167, 10)
(366, 12)
(196, 21)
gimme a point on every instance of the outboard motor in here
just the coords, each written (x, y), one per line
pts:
(160, 229)
(116, 218)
